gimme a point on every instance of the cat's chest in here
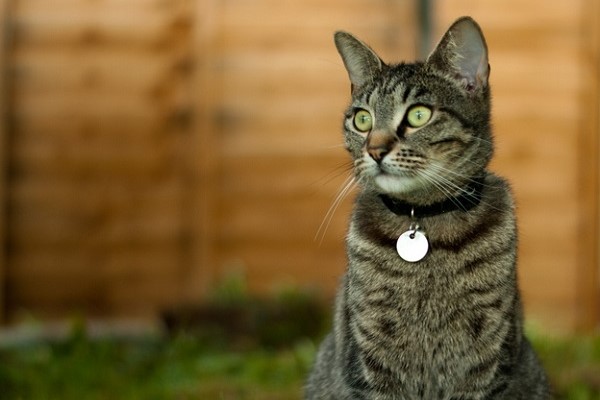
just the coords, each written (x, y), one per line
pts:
(410, 304)
(418, 296)
(416, 328)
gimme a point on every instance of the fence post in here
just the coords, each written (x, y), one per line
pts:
(5, 27)
(204, 160)
(588, 279)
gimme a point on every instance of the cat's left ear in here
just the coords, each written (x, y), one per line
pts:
(462, 52)
(361, 62)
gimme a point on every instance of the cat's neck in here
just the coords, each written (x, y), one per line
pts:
(467, 198)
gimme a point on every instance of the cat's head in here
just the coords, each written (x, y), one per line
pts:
(419, 131)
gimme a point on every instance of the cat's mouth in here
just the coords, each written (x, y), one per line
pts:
(396, 173)
(396, 182)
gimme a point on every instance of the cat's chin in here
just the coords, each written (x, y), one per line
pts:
(393, 184)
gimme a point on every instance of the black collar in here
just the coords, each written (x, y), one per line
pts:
(468, 199)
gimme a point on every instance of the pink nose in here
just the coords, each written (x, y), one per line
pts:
(377, 153)
(379, 144)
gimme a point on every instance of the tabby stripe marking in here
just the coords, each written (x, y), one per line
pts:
(481, 230)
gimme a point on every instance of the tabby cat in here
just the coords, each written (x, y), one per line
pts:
(429, 306)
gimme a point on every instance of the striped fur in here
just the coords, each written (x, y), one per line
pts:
(450, 326)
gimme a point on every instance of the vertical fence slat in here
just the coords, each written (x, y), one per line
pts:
(204, 157)
(589, 170)
(4, 46)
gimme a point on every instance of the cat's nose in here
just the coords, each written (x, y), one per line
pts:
(379, 144)
(377, 153)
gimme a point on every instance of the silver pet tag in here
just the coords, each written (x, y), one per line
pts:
(412, 245)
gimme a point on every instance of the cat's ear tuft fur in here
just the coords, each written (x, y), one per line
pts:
(462, 52)
(361, 62)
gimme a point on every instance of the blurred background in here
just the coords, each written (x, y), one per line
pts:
(151, 148)
(170, 166)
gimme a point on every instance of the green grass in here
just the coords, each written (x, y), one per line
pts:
(573, 365)
(188, 367)
(180, 368)
(239, 348)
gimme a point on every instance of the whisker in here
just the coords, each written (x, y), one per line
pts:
(483, 140)
(334, 173)
(451, 186)
(441, 168)
(443, 186)
(335, 146)
(345, 188)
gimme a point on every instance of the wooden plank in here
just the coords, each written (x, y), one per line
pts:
(122, 70)
(98, 22)
(82, 161)
(264, 220)
(277, 30)
(4, 114)
(33, 126)
(119, 203)
(204, 152)
(588, 284)
(144, 282)
(99, 104)
(39, 281)
(300, 175)
(144, 277)
(267, 268)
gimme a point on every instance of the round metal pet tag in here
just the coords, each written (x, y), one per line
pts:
(412, 246)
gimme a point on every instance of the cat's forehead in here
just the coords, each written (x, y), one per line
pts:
(397, 85)
(400, 87)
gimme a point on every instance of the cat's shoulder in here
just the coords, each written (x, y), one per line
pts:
(497, 184)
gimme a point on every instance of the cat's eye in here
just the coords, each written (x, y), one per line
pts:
(418, 116)
(363, 121)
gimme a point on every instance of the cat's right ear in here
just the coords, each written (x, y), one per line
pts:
(361, 62)
(463, 54)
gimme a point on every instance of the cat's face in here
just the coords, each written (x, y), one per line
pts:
(419, 130)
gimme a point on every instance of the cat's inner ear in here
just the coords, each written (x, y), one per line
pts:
(462, 52)
(361, 62)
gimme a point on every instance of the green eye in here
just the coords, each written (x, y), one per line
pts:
(418, 116)
(363, 121)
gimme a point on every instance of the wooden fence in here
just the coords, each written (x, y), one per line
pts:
(152, 146)
(98, 155)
